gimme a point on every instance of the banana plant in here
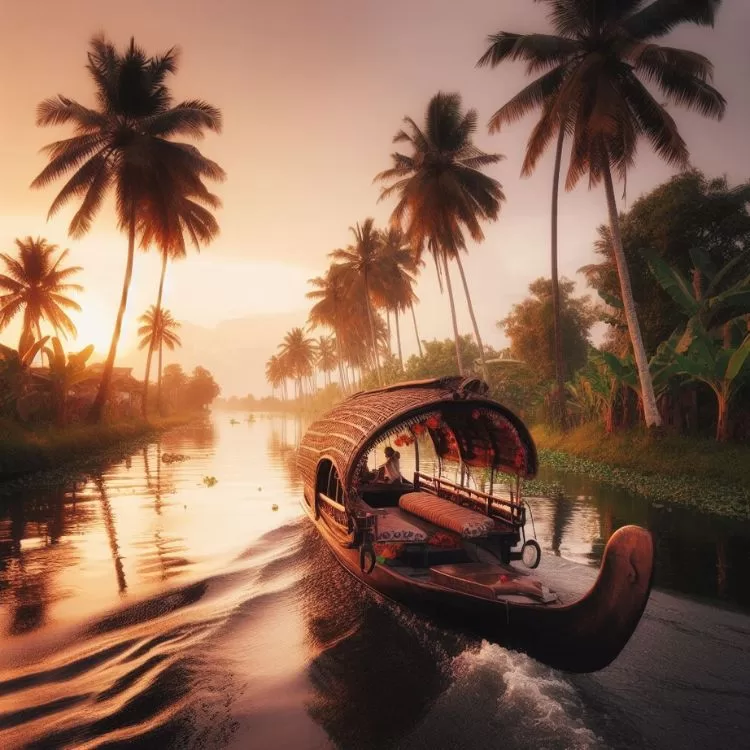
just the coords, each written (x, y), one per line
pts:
(722, 302)
(593, 393)
(661, 365)
(15, 371)
(65, 371)
(723, 370)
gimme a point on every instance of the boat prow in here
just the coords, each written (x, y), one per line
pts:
(587, 635)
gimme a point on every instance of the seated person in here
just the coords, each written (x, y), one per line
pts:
(390, 471)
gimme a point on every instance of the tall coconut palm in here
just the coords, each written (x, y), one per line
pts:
(362, 262)
(325, 357)
(37, 284)
(188, 214)
(331, 309)
(158, 329)
(124, 145)
(594, 70)
(399, 268)
(299, 354)
(275, 374)
(442, 191)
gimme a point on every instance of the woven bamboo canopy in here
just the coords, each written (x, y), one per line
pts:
(462, 421)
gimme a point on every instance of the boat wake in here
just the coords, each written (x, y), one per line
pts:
(280, 646)
(517, 702)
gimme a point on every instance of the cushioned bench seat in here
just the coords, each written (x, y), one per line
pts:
(393, 525)
(468, 523)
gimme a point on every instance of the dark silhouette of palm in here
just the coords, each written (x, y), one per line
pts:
(37, 285)
(325, 357)
(297, 355)
(124, 145)
(276, 374)
(399, 268)
(593, 88)
(362, 263)
(190, 215)
(442, 191)
(158, 329)
(332, 309)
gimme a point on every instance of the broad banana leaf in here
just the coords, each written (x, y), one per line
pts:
(673, 282)
(725, 307)
(738, 359)
(703, 262)
(724, 272)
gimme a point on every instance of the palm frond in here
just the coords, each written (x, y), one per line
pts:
(659, 17)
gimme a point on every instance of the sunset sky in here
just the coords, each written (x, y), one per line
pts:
(312, 93)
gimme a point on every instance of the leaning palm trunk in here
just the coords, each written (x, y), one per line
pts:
(388, 324)
(158, 380)
(342, 366)
(398, 340)
(561, 411)
(372, 331)
(416, 330)
(650, 410)
(157, 317)
(97, 408)
(473, 319)
(453, 314)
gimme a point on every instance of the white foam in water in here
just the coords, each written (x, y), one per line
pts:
(504, 699)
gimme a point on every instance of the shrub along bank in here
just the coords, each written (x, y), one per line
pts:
(25, 451)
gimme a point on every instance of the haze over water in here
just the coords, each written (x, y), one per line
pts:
(146, 607)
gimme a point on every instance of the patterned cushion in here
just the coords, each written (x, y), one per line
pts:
(394, 526)
(468, 523)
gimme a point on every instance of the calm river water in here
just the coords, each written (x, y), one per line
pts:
(141, 607)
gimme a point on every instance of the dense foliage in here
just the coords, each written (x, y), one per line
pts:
(530, 328)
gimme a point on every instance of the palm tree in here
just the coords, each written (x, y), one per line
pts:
(158, 329)
(325, 357)
(399, 267)
(592, 88)
(37, 285)
(363, 264)
(189, 215)
(124, 145)
(331, 308)
(275, 374)
(298, 354)
(442, 191)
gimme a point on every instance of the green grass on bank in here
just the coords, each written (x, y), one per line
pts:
(706, 475)
(25, 451)
(668, 455)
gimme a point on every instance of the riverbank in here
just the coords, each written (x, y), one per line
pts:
(28, 451)
(709, 476)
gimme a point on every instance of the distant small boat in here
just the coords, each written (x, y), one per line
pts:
(447, 549)
(274, 507)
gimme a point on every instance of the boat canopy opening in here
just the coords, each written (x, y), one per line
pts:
(462, 423)
(475, 435)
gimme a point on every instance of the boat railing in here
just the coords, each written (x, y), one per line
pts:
(508, 511)
(332, 509)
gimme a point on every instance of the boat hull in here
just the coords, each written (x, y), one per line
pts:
(584, 636)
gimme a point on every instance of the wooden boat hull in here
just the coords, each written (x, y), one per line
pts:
(584, 636)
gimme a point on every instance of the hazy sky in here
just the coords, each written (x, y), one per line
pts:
(312, 93)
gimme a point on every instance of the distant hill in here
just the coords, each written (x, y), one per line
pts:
(235, 351)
